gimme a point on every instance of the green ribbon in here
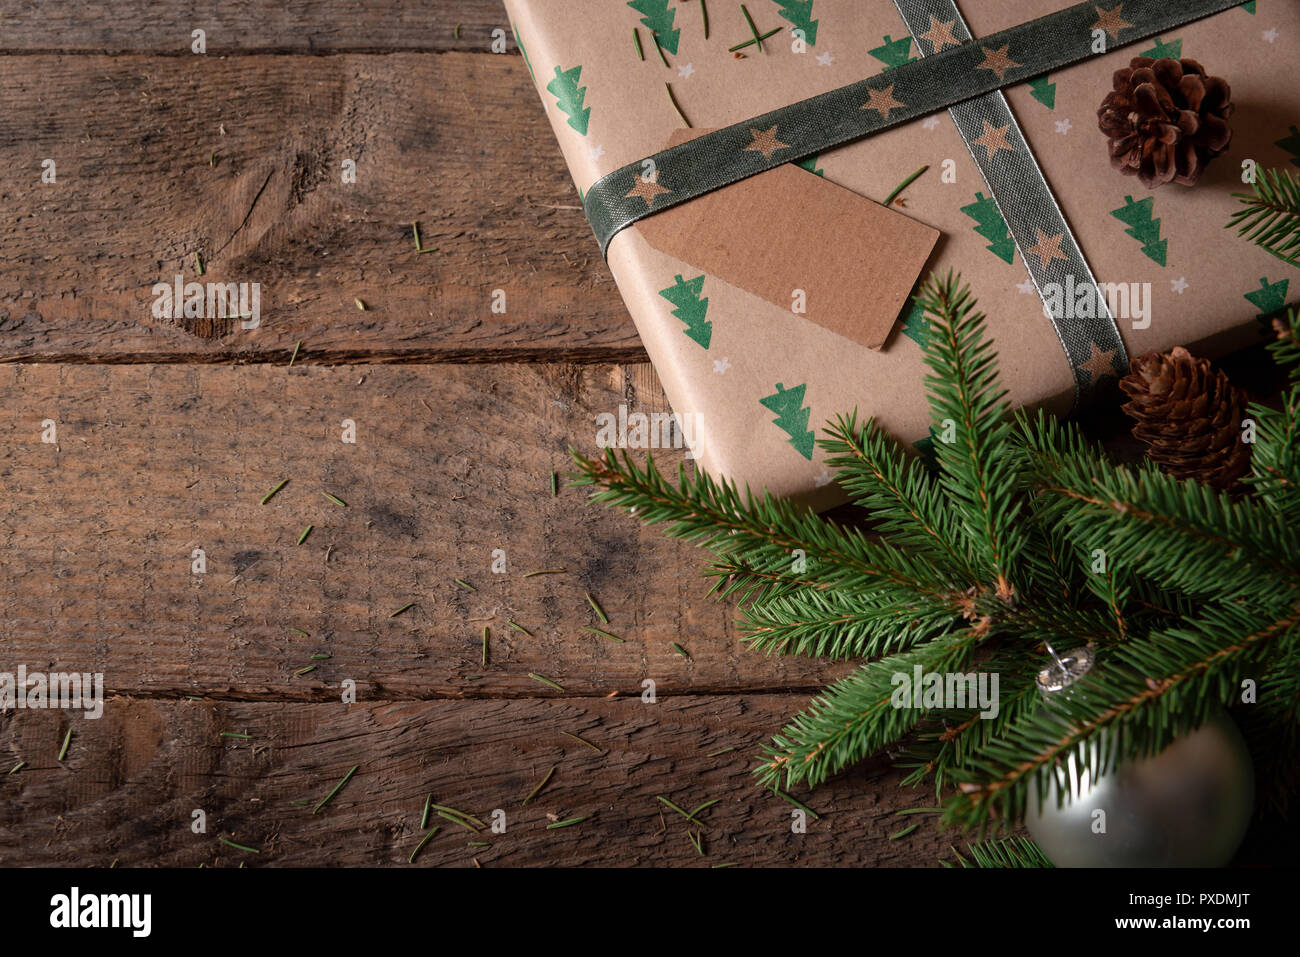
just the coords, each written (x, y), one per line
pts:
(910, 90)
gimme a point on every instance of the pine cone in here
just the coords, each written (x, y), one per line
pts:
(1166, 120)
(1189, 415)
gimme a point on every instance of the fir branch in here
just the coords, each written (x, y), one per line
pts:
(1270, 214)
(836, 624)
(764, 530)
(1180, 534)
(1275, 464)
(1121, 710)
(857, 715)
(979, 465)
(1011, 852)
(903, 498)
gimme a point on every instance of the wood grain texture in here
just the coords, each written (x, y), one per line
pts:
(131, 781)
(450, 463)
(235, 27)
(457, 142)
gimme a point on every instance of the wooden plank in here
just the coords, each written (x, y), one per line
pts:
(233, 28)
(132, 780)
(450, 463)
(160, 159)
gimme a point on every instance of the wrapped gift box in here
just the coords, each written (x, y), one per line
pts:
(754, 374)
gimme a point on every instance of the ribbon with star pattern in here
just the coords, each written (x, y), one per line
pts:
(963, 75)
(1092, 343)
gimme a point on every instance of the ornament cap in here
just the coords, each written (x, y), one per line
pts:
(1065, 670)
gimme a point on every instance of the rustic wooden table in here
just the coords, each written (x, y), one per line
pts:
(168, 432)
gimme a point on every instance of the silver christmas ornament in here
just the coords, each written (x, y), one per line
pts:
(1188, 806)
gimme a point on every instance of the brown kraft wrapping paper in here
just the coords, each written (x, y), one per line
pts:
(1206, 295)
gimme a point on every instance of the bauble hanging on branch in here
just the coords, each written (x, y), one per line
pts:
(1166, 119)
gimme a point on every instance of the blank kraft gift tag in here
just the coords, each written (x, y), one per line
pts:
(787, 229)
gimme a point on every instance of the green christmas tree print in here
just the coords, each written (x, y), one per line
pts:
(658, 17)
(1137, 216)
(991, 226)
(692, 307)
(916, 327)
(520, 43)
(1044, 91)
(1292, 145)
(569, 97)
(893, 53)
(799, 14)
(810, 164)
(792, 417)
(1171, 50)
(1269, 298)
(1249, 7)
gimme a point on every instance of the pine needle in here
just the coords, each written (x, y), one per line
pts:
(335, 499)
(238, 847)
(595, 606)
(533, 793)
(676, 106)
(63, 751)
(603, 634)
(465, 585)
(903, 185)
(407, 607)
(337, 788)
(545, 571)
(423, 841)
(690, 816)
(269, 495)
(544, 680)
(576, 737)
(800, 805)
(305, 532)
(570, 821)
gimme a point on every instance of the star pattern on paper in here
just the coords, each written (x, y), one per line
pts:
(993, 139)
(1063, 126)
(686, 70)
(648, 188)
(1111, 21)
(596, 152)
(940, 34)
(883, 102)
(1026, 287)
(1047, 249)
(823, 479)
(931, 123)
(765, 142)
(825, 59)
(1099, 365)
(1179, 285)
(720, 366)
(1271, 35)
(996, 59)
